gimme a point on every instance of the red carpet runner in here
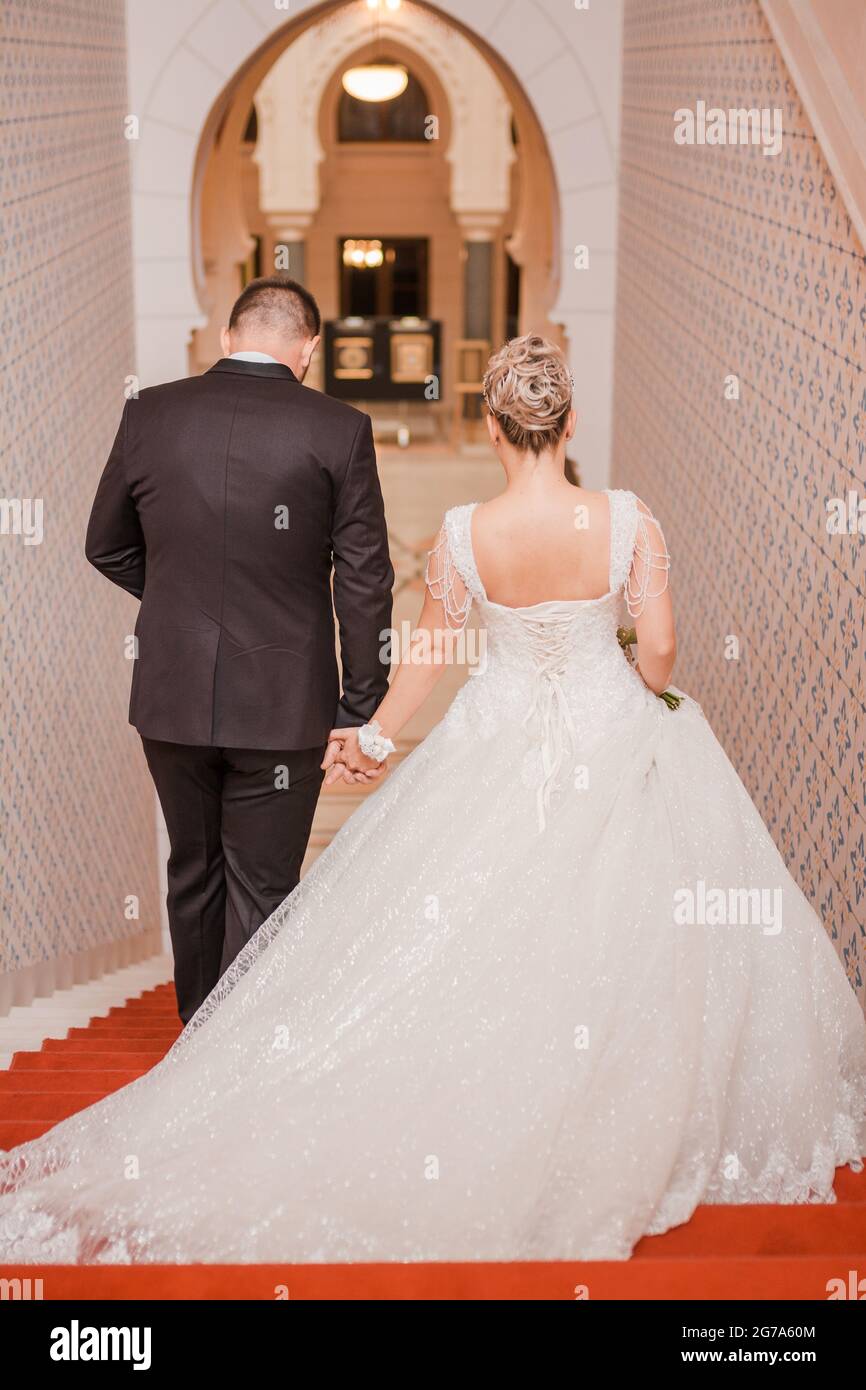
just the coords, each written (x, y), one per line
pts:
(723, 1252)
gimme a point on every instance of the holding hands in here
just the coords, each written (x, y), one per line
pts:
(356, 755)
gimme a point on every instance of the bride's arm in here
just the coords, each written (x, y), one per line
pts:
(649, 603)
(421, 670)
(418, 672)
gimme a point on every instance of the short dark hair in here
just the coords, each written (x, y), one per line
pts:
(279, 304)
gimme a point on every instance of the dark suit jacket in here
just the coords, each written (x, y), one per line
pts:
(236, 629)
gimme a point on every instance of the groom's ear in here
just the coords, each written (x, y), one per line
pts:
(226, 343)
(309, 350)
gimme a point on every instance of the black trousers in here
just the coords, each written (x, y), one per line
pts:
(238, 822)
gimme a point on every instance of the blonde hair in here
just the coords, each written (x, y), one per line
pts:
(528, 387)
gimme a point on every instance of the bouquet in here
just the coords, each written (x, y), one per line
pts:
(627, 638)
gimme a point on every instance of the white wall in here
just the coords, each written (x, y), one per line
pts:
(77, 833)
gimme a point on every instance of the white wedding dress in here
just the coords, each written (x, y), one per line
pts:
(480, 1028)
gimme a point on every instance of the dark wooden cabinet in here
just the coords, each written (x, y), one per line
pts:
(383, 359)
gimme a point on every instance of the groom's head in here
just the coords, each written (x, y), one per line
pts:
(277, 316)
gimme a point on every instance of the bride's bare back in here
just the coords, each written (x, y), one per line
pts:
(549, 543)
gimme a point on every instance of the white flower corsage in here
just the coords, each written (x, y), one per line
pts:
(373, 743)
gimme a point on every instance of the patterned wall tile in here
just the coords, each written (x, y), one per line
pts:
(735, 262)
(76, 806)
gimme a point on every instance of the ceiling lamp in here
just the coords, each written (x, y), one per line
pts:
(363, 255)
(376, 81)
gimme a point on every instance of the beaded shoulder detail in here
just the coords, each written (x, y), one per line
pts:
(451, 575)
(623, 525)
(639, 559)
(457, 527)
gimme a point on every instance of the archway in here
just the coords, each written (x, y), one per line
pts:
(186, 77)
(468, 188)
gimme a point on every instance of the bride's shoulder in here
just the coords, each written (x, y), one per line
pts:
(461, 511)
(452, 556)
(620, 495)
(456, 522)
(636, 536)
(626, 506)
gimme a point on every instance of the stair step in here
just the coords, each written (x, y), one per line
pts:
(152, 1000)
(850, 1187)
(105, 1060)
(15, 1132)
(45, 1106)
(162, 1005)
(701, 1277)
(109, 1032)
(162, 1008)
(163, 1027)
(152, 1014)
(807, 1229)
(71, 1047)
(24, 1082)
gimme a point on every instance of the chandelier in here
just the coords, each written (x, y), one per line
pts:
(363, 255)
(380, 80)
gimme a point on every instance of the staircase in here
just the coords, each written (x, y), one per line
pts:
(723, 1252)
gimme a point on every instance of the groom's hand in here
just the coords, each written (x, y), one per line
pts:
(344, 759)
(336, 770)
(331, 766)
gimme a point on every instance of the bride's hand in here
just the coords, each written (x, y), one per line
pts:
(345, 759)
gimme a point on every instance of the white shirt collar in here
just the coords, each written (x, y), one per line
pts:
(252, 357)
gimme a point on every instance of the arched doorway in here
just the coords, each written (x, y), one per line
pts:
(450, 186)
(562, 74)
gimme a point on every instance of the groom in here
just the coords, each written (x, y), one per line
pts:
(227, 502)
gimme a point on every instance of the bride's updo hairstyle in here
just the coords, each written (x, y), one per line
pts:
(528, 387)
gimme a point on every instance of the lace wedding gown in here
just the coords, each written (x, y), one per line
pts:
(480, 1028)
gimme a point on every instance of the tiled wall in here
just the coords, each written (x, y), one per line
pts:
(76, 808)
(733, 262)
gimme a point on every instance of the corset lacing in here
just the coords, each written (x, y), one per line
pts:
(550, 640)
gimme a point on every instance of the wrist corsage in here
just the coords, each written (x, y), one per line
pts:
(373, 743)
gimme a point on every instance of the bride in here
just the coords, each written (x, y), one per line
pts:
(550, 988)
